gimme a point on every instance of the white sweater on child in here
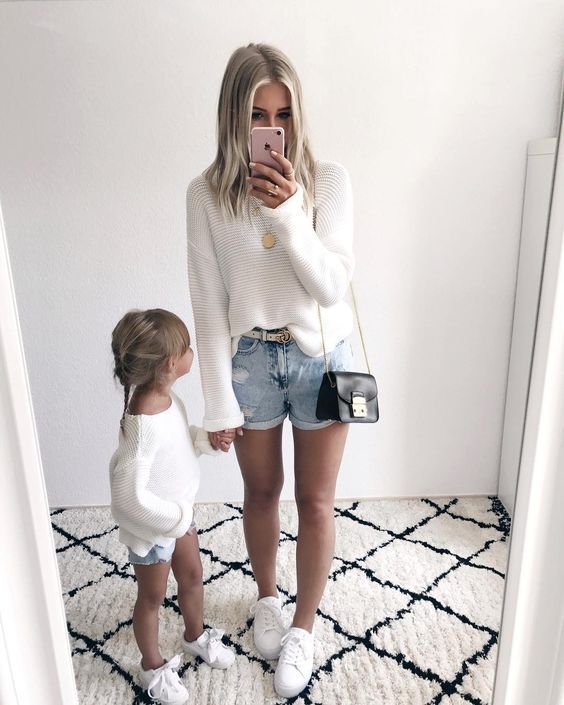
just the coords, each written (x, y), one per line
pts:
(154, 476)
(237, 284)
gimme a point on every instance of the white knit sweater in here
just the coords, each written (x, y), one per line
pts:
(237, 284)
(154, 476)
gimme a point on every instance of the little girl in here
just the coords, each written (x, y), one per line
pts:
(154, 476)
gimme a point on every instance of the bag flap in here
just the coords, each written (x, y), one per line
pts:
(349, 382)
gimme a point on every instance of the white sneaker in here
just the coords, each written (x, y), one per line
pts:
(163, 684)
(209, 647)
(268, 628)
(295, 663)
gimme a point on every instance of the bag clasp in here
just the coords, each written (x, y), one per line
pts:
(358, 403)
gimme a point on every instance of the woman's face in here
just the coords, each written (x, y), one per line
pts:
(272, 108)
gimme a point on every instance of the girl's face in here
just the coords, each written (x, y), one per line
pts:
(184, 363)
(272, 108)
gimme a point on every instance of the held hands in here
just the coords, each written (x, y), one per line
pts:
(222, 440)
(275, 188)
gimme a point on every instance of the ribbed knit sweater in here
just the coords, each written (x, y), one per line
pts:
(154, 476)
(236, 284)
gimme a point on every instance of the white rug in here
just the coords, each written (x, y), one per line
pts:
(410, 615)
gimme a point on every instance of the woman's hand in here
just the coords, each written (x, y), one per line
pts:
(275, 188)
(222, 440)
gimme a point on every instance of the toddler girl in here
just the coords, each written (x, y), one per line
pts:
(154, 476)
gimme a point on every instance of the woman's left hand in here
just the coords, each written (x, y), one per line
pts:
(276, 187)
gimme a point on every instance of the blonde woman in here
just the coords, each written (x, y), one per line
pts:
(258, 269)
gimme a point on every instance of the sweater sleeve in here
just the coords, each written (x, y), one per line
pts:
(210, 304)
(322, 259)
(139, 510)
(202, 442)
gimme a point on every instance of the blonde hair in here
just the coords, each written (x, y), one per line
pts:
(142, 343)
(248, 68)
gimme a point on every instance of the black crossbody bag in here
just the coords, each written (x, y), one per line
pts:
(348, 397)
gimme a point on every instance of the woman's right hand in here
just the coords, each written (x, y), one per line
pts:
(222, 440)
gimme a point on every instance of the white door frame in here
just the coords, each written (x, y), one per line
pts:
(530, 668)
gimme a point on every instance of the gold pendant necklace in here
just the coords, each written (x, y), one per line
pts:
(268, 240)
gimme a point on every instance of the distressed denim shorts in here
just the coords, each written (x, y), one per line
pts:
(274, 380)
(157, 554)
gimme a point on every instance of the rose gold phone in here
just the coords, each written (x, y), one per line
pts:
(263, 139)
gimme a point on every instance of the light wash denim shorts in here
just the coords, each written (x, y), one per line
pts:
(157, 554)
(275, 380)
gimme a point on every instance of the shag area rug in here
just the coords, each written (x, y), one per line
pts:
(410, 615)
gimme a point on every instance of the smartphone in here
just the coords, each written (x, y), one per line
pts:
(263, 139)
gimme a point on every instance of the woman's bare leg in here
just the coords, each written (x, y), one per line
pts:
(317, 458)
(259, 454)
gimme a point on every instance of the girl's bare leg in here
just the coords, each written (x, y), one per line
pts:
(187, 569)
(151, 591)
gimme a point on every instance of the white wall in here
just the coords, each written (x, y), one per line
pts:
(108, 110)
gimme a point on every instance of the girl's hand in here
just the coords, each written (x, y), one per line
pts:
(222, 440)
(276, 188)
(219, 440)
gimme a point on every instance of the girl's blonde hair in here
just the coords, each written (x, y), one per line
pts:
(248, 68)
(142, 343)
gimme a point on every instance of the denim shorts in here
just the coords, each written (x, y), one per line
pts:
(274, 380)
(157, 554)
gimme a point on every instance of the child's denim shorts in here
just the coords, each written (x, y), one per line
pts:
(158, 554)
(274, 380)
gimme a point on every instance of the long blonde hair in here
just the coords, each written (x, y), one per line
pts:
(248, 68)
(142, 343)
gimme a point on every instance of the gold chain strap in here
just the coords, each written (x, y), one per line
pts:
(359, 330)
(357, 321)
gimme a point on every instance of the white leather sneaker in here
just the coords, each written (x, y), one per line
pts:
(163, 684)
(210, 648)
(295, 663)
(268, 628)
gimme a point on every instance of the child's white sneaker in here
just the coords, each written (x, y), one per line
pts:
(268, 628)
(163, 684)
(295, 663)
(210, 648)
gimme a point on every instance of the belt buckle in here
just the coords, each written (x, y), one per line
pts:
(283, 337)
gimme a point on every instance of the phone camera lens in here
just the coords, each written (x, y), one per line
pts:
(278, 133)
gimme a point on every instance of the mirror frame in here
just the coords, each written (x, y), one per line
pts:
(33, 633)
(35, 657)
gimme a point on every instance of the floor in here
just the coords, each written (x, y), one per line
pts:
(410, 615)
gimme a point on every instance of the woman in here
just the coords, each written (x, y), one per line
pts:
(258, 267)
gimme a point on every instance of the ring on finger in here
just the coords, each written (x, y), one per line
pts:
(289, 174)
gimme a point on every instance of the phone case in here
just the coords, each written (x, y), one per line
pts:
(263, 139)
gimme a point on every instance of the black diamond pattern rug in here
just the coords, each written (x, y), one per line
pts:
(410, 615)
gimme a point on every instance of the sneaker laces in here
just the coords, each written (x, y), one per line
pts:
(212, 642)
(292, 652)
(166, 684)
(270, 616)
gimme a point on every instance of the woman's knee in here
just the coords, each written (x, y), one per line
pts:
(312, 508)
(262, 497)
